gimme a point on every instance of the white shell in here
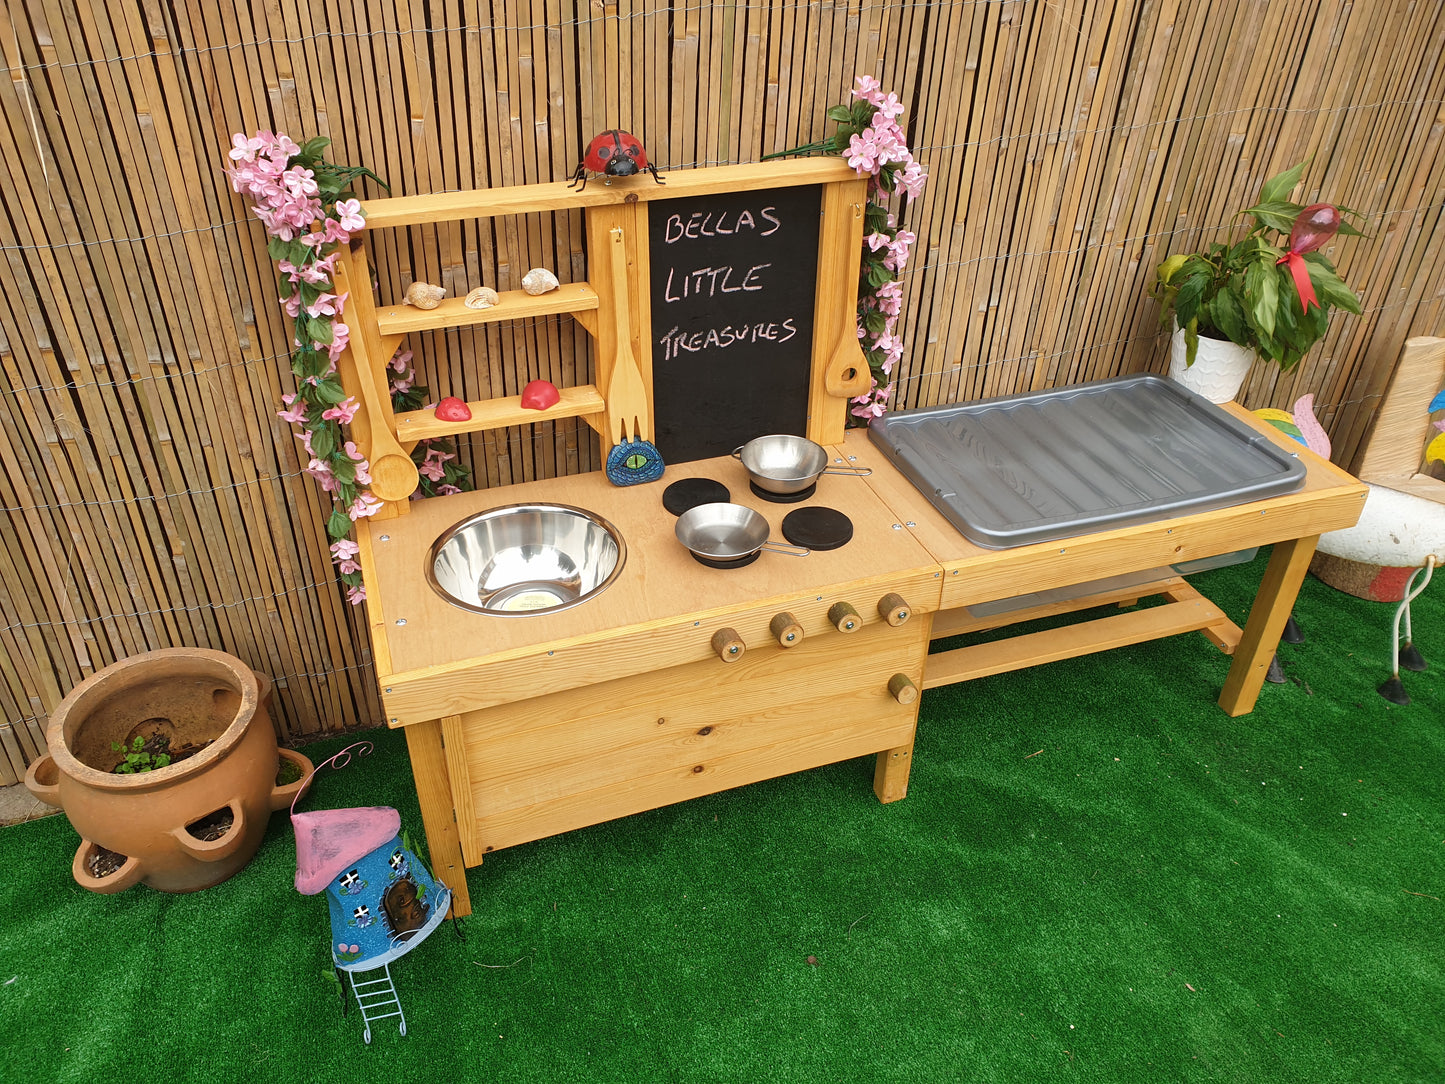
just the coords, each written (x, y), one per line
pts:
(423, 295)
(483, 297)
(539, 281)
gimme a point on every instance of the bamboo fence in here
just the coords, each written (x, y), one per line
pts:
(152, 498)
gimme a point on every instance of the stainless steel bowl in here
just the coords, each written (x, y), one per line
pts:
(525, 559)
(727, 532)
(784, 464)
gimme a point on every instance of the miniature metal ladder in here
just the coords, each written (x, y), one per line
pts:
(373, 995)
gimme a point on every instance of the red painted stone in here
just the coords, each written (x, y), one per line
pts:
(452, 409)
(540, 394)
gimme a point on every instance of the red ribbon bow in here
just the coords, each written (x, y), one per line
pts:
(1299, 270)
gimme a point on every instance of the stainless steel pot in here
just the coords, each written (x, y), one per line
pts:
(785, 464)
(728, 532)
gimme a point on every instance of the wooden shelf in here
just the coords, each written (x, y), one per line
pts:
(557, 196)
(511, 305)
(499, 413)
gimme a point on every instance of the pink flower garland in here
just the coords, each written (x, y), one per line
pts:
(291, 189)
(877, 147)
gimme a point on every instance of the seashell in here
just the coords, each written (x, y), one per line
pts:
(423, 295)
(483, 297)
(539, 281)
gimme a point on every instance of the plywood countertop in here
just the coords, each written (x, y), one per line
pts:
(435, 659)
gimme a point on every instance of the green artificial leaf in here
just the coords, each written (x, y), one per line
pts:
(875, 321)
(840, 113)
(1281, 184)
(879, 276)
(330, 391)
(344, 468)
(322, 330)
(323, 443)
(312, 148)
(338, 524)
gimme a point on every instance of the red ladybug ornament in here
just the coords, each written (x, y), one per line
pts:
(613, 153)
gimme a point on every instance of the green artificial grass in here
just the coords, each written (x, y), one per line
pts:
(1096, 876)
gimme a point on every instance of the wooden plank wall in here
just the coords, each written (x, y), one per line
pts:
(151, 497)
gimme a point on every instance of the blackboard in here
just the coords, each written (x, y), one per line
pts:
(733, 278)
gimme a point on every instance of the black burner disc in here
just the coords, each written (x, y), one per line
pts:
(817, 528)
(729, 562)
(783, 498)
(688, 493)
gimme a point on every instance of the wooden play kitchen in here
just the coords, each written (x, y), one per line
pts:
(669, 677)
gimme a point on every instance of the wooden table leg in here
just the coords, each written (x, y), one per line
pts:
(890, 774)
(1282, 578)
(433, 790)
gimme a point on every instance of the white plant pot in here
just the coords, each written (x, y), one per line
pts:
(1219, 367)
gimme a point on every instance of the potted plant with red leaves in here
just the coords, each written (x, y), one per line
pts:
(1269, 294)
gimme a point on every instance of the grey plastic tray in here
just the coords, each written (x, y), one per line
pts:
(1037, 467)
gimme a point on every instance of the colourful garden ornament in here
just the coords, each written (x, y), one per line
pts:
(383, 901)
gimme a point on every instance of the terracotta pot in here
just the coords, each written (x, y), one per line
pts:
(194, 696)
(1219, 370)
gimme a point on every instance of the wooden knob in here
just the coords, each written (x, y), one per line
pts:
(786, 629)
(893, 609)
(902, 689)
(728, 645)
(844, 618)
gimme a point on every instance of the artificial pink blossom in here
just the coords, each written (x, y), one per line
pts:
(318, 272)
(327, 305)
(363, 467)
(300, 181)
(296, 415)
(343, 411)
(245, 150)
(867, 86)
(447, 490)
(321, 471)
(356, 595)
(340, 339)
(348, 212)
(862, 153)
(344, 548)
(910, 181)
(400, 360)
(364, 505)
(876, 240)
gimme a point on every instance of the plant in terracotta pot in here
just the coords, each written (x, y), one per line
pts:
(167, 767)
(1270, 293)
